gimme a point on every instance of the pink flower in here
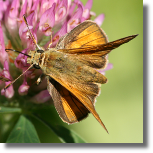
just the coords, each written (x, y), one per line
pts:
(23, 89)
(41, 97)
(9, 92)
(76, 18)
(24, 34)
(3, 53)
(4, 5)
(108, 67)
(99, 20)
(47, 21)
(21, 60)
(45, 18)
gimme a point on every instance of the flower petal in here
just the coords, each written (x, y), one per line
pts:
(23, 10)
(23, 89)
(13, 12)
(3, 53)
(41, 97)
(25, 35)
(76, 18)
(99, 20)
(9, 92)
(45, 4)
(4, 5)
(109, 66)
(21, 60)
(58, 35)
(89, 4)
(47, 20)
(61, 11)
(23, 26)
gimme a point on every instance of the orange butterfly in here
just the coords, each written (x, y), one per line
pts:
(71, 69)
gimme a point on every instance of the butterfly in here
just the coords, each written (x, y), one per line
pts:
(72, 69)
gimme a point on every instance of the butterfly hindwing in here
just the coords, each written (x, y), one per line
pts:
(68, 106)
(87, 99)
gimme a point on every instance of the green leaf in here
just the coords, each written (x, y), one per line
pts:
(7, 123)
(23, 132)
(64, 134)
(67, 135)
(10, 110)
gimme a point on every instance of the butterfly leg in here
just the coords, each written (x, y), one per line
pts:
(39, 80)
(50, 41)
(18, 77)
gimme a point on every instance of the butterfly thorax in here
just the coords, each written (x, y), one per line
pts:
(40, 58)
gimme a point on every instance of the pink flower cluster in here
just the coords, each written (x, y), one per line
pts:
(45, 17)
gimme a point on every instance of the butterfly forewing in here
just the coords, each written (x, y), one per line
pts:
(86, 34)
(89, 38)
(81, 39)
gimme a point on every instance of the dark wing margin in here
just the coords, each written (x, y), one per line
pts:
(68, 106)
(99, 50)
(85, 101)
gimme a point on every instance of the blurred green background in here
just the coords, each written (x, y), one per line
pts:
(120, 104)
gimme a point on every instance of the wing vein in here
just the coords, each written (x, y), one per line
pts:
(73, 101)
(88, 34)
(90, 41)
(76, 105)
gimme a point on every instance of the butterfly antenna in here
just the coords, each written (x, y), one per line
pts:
(33, 39)
(17, 78)
(7, 50)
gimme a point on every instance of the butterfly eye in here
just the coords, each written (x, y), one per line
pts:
(40, 51)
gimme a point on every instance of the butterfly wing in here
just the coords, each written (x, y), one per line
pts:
(84, 35)
(71, 103)
(76, 80)
(90, 43)
(68, 106)
(81, 39)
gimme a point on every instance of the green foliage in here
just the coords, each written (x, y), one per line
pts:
(9, 110)
(25, 131)
(64, 134)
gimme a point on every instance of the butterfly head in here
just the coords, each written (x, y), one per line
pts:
(34, 58)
